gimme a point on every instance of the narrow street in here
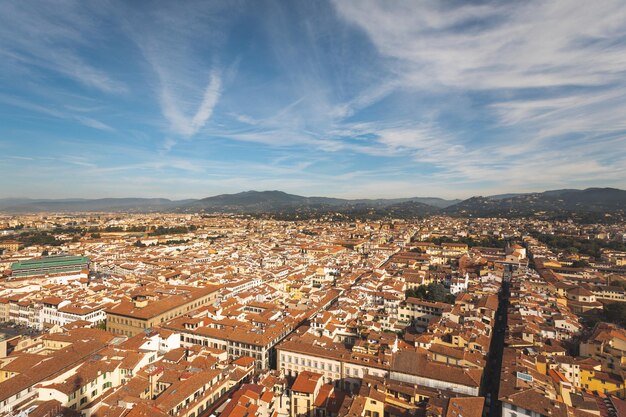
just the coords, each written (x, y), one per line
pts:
(491, 377)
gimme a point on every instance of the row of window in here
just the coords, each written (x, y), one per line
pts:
(308, 362)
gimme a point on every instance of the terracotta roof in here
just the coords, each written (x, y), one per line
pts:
(306, 381)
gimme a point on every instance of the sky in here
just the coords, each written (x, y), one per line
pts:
(345, 98)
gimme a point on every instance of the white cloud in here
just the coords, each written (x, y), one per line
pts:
(49, 36)
(551, 76)
(179, 44)
(497, 45)
(185, 125)
(66, 115)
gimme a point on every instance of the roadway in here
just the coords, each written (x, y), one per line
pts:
(491, 376)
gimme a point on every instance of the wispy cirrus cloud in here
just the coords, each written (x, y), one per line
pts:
(547, 76)
(351, 97)
(49, 37)
(176, 44)
(190, 125)
(56, 113)
(497, 45)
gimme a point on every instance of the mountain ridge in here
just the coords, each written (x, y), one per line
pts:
(594, 199)
(590, 200)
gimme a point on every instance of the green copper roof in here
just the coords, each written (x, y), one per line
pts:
(62, 263)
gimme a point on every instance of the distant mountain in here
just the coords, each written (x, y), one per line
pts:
(279, 201)
(503, 196)
(590, 200)
(244, 202)
(435, 202)
(86, 205)
(8, 202)
(248, 201)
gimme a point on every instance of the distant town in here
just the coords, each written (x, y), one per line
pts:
(232, 315)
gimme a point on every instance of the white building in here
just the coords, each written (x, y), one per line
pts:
(459, 284)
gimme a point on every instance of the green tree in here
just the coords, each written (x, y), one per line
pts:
(433, 292)
(615, 313)
(436, 292)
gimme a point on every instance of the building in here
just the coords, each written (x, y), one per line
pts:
(415, 368)
(57, 311)
(420, 312)
(580, 300)
(20, 388)
(150, 307)
(50, 265)
(338, 365)
(304, 392)
(10, 245)
(242, 340)
(79, 386)
(346, 369)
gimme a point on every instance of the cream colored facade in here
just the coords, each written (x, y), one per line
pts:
(419, 312)
(83, 395)
(302, 403)
(342, 374)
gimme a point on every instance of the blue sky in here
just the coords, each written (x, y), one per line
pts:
(347, 98)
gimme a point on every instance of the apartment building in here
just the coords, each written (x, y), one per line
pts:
(20, 387)
(304, 391)
(420, 312)
(79, 387)
(237, 340)
(56, 311)
(151, 307)
(338, 365)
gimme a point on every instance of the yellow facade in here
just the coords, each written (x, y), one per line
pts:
(374, 408)
(601, 382)
(132, 324)
(4, 375)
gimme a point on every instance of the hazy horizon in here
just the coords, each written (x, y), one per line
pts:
(243, 191)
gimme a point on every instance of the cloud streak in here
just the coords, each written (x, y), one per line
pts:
(48, 37)
(190, 125)
(358, 98)
(497, 45)
(83, 120)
